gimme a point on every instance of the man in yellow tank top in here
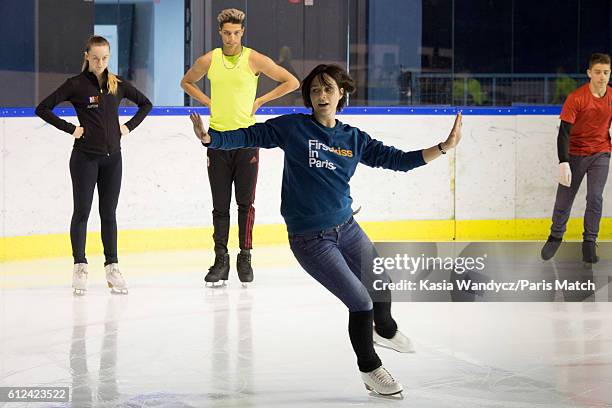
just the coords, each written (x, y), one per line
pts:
(233, 72)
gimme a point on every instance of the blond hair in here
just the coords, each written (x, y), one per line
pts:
(112, 81)
(232, 16)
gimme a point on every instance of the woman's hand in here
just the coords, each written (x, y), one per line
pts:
(124, 130)
(451, 141)
(455, 135)
(78, 132)
(198, 128)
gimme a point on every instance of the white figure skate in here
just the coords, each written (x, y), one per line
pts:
(382, 383)
(79, 279)
(115, 280)
(399, 342)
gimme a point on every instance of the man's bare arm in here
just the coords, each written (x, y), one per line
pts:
(195, 73)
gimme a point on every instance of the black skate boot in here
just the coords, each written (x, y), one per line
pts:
(243, 266)
(550, 247)
(219, 271)
(589, 252)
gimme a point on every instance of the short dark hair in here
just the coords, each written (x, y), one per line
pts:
(342, 78)
(599, 58)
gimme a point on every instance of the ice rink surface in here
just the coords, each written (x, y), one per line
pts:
(282, 342)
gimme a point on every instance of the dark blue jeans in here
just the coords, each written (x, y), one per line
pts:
(339, 258)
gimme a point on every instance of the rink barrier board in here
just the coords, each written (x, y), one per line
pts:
(132, 241)
(58, 245)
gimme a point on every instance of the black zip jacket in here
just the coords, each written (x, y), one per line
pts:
(97, 111)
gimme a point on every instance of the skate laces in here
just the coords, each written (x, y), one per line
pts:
(382, 376)
(219, 262)
(81, 271)
(115, 272)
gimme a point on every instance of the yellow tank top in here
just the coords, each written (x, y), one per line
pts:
(233, 87)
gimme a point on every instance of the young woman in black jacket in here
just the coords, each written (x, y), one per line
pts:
(96, 157)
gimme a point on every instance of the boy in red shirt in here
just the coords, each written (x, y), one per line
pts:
(583, 147)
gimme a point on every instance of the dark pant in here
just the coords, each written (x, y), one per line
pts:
(340, 258)
(240, 168)
(595, 167)
(87, 170)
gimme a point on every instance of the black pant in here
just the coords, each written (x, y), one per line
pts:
(240, 168)
(87, 170)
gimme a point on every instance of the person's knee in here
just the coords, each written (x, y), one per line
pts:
(245, 206)
(81, 214)
(361, 304)
(108, 216)
(562, 209)
(594, 201)
(220, 213)
(80, 218)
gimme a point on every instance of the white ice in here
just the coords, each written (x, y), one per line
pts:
(282, 342)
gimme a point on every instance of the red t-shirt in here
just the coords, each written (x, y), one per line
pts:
(590, 118)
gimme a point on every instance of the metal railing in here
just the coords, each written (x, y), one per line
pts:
(412, 88)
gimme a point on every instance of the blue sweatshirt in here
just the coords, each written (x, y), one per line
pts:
(319, 162)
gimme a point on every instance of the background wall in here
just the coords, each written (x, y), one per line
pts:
(400, 52)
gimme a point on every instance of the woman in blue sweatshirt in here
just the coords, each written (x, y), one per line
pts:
(321, 155)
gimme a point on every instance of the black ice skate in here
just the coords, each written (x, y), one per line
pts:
(243, 266)
(550, 247)
(219, 271)
(589, 253)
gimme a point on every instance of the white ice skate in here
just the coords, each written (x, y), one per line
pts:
(399, 342)
(79, 279)
(382, 383)
(115, 280)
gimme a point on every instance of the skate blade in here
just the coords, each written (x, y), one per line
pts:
(246, 284)
(246, 279)
(218, 284)
(79, 292)
(115, 291)
(395, 396)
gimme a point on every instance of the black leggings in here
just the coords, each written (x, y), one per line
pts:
(87, 170)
